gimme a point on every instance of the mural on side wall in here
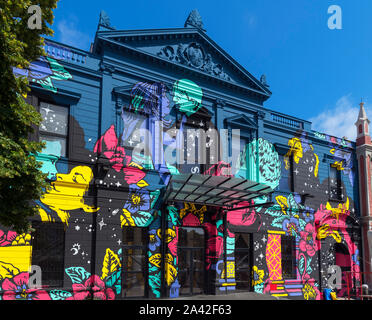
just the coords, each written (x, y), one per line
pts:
(131, 197)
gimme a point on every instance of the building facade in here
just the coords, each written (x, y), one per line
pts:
(265, 204)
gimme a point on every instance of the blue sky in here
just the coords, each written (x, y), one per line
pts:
(314, 73)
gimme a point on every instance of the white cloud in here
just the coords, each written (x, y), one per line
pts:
(69, 33)
(339, 120)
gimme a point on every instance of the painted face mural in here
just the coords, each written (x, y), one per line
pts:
(73, 185)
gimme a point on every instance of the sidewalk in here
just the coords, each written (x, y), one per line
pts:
(233, 296)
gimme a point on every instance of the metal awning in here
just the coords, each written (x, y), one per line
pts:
(218, 191)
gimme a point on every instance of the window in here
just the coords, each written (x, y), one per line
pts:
(48, 252)
(288, 257)
(54, 129)
(286, 180)
(135, 262)
(335, 189)
(136, 136)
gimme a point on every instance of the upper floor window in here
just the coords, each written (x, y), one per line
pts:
(335, 188)
(286, 183)
(53, 130)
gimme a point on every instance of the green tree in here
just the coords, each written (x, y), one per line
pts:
(21, 181)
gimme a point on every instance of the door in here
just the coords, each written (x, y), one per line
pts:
(135, 263)
(191, 255)
(243, 261)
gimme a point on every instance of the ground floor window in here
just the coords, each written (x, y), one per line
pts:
(48, 247)
(135, 262)
(288, 244)
(243, 261)
(191, 259)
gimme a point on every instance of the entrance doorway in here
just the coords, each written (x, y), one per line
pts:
(135, 262)
(191, 255)
(243, 261)
(342, 259)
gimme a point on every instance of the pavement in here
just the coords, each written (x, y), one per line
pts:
(233, 296)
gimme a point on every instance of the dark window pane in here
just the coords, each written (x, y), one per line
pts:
(135, 261)
(288, 257)
(286, 180)
(48, 252)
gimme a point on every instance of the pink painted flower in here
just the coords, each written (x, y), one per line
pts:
(6, 238)
(308, 242)
(17, 288)
(108, 145)
(93, 285)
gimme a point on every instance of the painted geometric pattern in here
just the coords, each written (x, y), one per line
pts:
(274, 256)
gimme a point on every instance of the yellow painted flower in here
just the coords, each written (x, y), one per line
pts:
(23, 239)
(309, 292)
(257, 276)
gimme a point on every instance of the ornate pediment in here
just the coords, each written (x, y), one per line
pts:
(195, 56)
(187, 48)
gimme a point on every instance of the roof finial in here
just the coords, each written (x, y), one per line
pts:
(194, 20)
(104, 21)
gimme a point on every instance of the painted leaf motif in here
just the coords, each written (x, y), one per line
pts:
(282, 201)
(114, 281)
(169, 258)
(155, 259)
(126, 219)
(111, 263)
(170, 235)
(154, 281)
(59, 294)
(170, 274)
(142, 183)
(301, 262)
(77, 274)
(7, 270)
(154, 197)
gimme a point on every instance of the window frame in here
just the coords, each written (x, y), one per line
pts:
(337, 185)
(52, 134)
(288, 258)
(291, 176)
(46, 225)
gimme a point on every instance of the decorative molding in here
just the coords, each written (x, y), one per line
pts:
(106, 68)
(194, 55)
(194, 20)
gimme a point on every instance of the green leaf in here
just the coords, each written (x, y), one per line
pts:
(59, 294)
(77, 274)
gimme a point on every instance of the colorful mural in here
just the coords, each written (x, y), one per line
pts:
(112, 187)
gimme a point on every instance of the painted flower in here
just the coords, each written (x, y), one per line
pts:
(22, 240)
(291, 226)
(6, 238)
(154, 240)
(94, 288)
(309, 291)
(257, 276)
(17, 288)
(308, 242)
(138, 199)
(108, 146)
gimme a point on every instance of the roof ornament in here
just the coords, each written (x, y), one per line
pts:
(104, 20)
(194, 20)
(264, 81)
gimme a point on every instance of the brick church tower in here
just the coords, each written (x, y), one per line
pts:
(364, 156)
